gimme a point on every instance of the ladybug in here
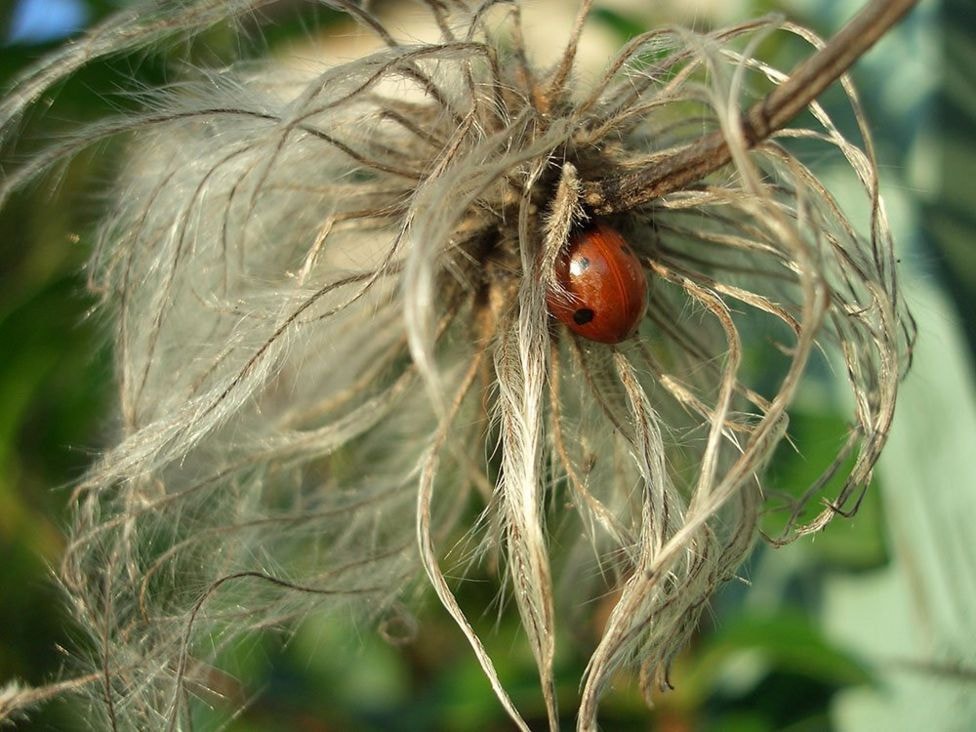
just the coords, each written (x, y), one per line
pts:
(602, 291)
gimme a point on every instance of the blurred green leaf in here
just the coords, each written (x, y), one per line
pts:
(742, 722)
(623, 26)
(858, 543)
(919, 608)
(743, 650)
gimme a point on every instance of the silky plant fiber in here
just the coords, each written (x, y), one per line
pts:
(338, 383)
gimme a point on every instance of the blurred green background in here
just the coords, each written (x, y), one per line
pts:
(870, 625)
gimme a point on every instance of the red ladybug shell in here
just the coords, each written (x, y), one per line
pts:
(604, 289)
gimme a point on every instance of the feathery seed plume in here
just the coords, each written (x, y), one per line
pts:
(328, 289)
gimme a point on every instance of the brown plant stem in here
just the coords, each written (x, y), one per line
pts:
(625, 192)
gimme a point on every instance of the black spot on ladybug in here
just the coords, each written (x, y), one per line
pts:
(584, 262)
(583, 316)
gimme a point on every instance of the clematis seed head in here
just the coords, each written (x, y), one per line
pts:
(328, 288)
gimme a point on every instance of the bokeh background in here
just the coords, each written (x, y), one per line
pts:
(870, 625)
